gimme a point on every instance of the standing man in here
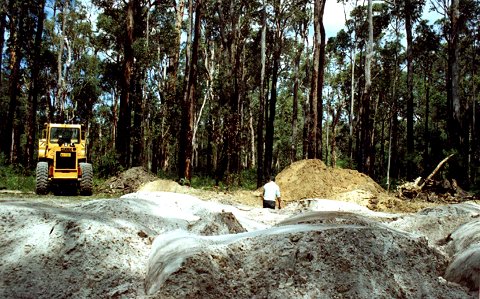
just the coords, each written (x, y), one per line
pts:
(271, 193)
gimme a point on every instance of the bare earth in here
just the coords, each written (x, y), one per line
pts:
(339, 236)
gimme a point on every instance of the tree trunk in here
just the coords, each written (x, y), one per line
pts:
(306, 103)
(426, 133)
(365, 103)
(209, 62)
(475, 141)
(251, 160)
(458, 130)
(3, 25)
(61, 85)
(261, 112)
(352, 86)
(124, 120)
(16, 23)
(410, 137)
(34, 89)
(293, 149)
(389, 156)
(352, 102)
(314, 96)
(321, 72)
(269, 132)
(372, 152)
(189, 107)
(137, 130)
(335, 119)
(182, 144)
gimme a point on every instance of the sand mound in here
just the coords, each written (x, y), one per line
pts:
(162, 185)
(313, 179)
(178, 246)
(127, 181)
(298, 261)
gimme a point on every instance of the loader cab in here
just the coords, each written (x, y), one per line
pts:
(63, 136)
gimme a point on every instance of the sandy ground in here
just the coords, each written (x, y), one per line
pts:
(170, 245)
(170, 241)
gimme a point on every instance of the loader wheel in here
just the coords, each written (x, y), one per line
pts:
(86, 183)
(41, 184)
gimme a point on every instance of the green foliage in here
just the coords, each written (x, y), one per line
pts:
(246, 180)
(107, 165)
(249, 179)
(203, 182)
(343, 163)
(15, 177)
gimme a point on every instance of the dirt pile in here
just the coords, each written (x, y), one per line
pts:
(361, 259)
(313, 179)
(163, 185)
(127, 181)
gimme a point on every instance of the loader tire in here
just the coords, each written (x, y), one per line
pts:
(86, 183)
(41, 179)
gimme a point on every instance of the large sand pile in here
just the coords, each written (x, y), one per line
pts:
(313, 179)
(168, 245)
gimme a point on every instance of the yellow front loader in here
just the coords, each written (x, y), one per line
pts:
(62, 159)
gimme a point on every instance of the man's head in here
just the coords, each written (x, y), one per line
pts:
(272, 178)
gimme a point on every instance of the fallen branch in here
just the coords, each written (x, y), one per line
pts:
(429, 178)
(413, 189)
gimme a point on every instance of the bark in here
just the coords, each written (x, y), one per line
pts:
(335, 120)
(475, 143)
(352, 102)
(457, 129)
(188, 49)
(174, 60)
(234, 146)
(306, 104)
(389, 157)
(261, 112)
(372, 152)
(251, 160)
(3, 25)
(209, 56)
(138, 112)
(364, 113)
(426, 132)
(269, 132)
(9, 146)
(352, 88)
(61, 87)
(321, 79)
(210, 140)
(410, 137)
(189, 108)
(456, 104)
(34, 90)
(314, 96)
(392, 169)
(293, 153)
(124, 120)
